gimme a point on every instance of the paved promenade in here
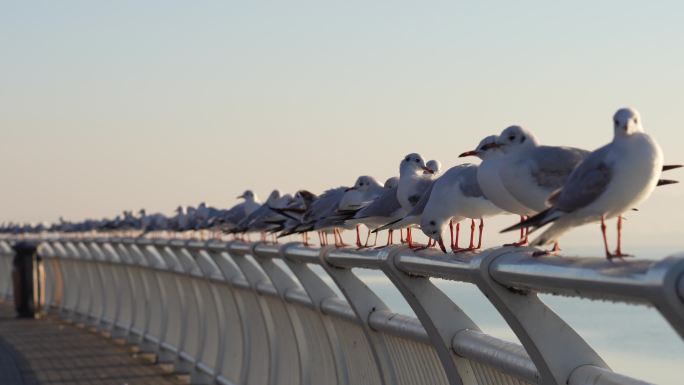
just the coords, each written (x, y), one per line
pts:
(49, 351)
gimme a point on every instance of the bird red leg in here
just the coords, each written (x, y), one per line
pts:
(556, 247)
(524, 231)
(454, 242)
(451, 232)
(479, 239)
(358, 237)
(339, 236)
(409, 239)
(605, 240)
(401, 236)
(365, 244)
(618, 250)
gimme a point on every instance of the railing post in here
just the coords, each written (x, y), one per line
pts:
(441, 317)
(232, 274)
(283, 283)
(364, 302)
(554, 347)
(237, 251)
(319, 292)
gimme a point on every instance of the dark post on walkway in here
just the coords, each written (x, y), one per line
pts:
(22, 278)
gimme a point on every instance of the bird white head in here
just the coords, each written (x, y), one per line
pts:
(248, 195)
(364, 183)
(413, 164)
(516, 138)
(626, 122)
(434, 165)
(487, 148)
(391, 182)
(275, 194)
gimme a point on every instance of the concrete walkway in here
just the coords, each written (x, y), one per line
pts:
(49, 351)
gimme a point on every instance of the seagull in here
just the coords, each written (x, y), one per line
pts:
(530, 171)
(365, 190)
(325, 206)
(230, 218)
(434, 165)
(456, 195)
(611, 180)
(412, 184)
(384, 209)
(293, 214)
(489, 179)
(244, 225)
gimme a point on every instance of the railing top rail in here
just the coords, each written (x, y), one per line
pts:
(637, 281)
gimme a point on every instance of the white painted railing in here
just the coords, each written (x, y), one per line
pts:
(228, 313)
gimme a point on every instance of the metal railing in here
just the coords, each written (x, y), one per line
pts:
(228, 313)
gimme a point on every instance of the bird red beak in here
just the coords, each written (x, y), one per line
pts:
(240, 196)
(441, 245)
(427, 170)
(468, 153)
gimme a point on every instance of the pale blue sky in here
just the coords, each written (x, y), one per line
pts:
(107, 106)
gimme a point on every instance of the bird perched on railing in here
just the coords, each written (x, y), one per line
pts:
(227, 220)
(610, 181)
(454, 196)
(384, 209)
(414, 179)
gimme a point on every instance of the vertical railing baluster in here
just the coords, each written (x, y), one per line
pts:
(283, 283)
(319, 291)
(554, 347)
(439, 315)
(237, 252)
(364, 302)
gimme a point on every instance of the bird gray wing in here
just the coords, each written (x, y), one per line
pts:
(385, 205)
(421, 186)
(469, 185)
(586, 183)
(324, 205)
(422, 202)
(551, 166)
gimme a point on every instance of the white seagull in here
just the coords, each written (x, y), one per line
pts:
(413, 182)
(454, 196)
(611, 180)
(489, 179)
(384, 209)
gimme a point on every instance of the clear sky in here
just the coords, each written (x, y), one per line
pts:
(106, 106)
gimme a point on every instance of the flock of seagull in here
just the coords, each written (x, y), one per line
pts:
(563, 187)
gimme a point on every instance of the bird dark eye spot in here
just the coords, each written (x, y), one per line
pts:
(522, 139)
(432, 223)
(511, 138)
(417, 160)
(406, 159)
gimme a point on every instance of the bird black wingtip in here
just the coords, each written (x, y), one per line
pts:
(668, 167)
